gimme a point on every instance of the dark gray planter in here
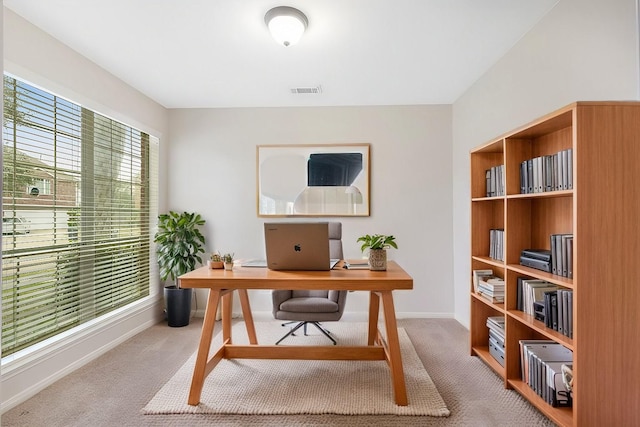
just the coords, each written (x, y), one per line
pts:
(178, 302)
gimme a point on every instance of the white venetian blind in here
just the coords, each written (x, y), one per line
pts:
(79, 196)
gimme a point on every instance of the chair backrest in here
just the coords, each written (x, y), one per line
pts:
(335, 240)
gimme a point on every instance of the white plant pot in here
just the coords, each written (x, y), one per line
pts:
(378, 259)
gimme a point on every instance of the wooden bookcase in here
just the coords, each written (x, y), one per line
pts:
(602, 211)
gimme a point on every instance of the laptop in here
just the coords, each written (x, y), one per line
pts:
(298, 246)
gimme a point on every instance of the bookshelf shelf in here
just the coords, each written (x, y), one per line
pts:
(599, 208)
(538, 274)
(494, 305)
(560, 416)
(530, 322)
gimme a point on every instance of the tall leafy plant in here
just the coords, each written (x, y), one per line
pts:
(179, 243)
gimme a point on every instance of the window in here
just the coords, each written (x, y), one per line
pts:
(78, 246)
(39, 187)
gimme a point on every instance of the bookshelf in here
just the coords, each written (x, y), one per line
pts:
(602, 211)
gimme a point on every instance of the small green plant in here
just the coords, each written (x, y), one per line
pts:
(216, 257)
(227, 257)
(377, 241)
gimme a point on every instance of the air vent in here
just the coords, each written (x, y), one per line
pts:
(306, 90)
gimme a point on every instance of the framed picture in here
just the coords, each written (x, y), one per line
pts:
(313, 180)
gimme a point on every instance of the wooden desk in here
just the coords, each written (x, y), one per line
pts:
(221, 285)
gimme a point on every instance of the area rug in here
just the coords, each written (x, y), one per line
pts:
(279, 387)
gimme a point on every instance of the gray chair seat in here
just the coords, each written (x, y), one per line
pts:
(309, 305)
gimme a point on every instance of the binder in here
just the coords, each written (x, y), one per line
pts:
(554, 310)
(488, 180)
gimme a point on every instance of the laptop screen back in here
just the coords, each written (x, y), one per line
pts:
(297, 245)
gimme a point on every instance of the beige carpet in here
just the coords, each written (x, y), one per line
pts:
(264, 387)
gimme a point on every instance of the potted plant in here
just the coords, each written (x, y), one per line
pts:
(228, 261)
(215, 261)
(179, 245)
(377, 245)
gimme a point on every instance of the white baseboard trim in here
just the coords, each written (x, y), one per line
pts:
(264, 316)
(41, 368)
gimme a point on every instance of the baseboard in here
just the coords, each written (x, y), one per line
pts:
(24, 377)
(263, 316)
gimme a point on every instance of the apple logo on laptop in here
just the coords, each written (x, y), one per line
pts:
(297, 247)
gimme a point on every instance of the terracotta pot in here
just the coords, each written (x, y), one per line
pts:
(215, 264)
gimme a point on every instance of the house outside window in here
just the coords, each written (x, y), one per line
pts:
(84, 186)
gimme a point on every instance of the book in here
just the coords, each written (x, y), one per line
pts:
(570, 257)
(519, 299)
(565, 261)
(356, 264)
(488, 180)
(548, 308)
(477, 274)
(491, 288)
(570, 313)
(554, 310)
(570, 169)
(524, 366)
(534, 290)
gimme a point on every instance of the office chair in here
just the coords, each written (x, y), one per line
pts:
(311, 306)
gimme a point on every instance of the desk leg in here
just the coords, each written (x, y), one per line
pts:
(248, 317)
(203, 349)
(227, 307)
(374, 308)
(395, 357)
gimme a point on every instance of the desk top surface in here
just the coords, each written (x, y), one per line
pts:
(263, 278)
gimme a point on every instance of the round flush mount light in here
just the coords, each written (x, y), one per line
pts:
(286, 24)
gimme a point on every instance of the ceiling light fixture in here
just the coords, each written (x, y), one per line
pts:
(286, 24)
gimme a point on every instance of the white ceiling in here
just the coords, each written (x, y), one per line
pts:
(218, 53)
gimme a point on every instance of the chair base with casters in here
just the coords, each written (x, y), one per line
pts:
(304, 326)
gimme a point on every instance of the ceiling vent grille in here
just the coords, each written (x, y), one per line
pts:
(306, 90)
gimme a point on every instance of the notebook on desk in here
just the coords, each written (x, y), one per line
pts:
(298, 246)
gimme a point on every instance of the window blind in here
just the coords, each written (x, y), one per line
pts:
(79, 195)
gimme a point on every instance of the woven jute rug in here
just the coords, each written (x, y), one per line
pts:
(265, 387)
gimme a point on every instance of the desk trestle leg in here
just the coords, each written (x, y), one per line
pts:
(394, 355)
(199, 372)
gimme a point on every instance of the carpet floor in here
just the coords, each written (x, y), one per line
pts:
(113, 389)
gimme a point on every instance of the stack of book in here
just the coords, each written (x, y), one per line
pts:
(541, 362)
(491, 288)
(496, 337)
(562, 255)
(547, 173)
(495, 181)
(478, 274)
(496, 244)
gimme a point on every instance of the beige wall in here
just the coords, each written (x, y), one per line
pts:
(582, 50)
(39, 59)
(213, 171)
